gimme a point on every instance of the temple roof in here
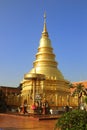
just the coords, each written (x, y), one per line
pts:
(81, 82)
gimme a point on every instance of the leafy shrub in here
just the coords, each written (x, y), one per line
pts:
(73, 120)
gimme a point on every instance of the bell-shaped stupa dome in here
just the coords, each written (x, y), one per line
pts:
(45, 62)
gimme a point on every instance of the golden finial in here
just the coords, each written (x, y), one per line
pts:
(45, 33)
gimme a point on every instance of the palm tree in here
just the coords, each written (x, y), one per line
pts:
(79, 91)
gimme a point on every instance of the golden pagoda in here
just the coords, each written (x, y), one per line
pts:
(45, 81)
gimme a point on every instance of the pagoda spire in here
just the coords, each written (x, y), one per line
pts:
(45, 33)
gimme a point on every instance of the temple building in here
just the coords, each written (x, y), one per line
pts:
(45, 81)
(11, 96)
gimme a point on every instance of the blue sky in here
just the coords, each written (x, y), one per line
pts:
(21, 25)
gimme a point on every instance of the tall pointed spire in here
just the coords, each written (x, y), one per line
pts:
(45, 33)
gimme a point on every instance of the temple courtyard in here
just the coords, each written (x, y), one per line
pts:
(20, 122)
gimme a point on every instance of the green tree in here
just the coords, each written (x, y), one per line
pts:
(79, 90)
(73, 120)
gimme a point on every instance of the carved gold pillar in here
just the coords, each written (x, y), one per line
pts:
(56, 96)
(34, 89)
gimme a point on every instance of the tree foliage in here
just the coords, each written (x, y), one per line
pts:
(73, 120)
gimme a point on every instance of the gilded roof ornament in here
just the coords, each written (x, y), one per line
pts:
(45, 33)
